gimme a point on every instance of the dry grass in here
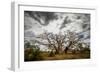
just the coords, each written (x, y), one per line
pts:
(46, 56)
(66, 56)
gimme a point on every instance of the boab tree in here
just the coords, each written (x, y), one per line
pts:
(73, 41)
(60, 42)
(55, 41)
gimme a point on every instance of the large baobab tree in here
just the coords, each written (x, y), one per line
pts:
(60, 42)
(55, 42)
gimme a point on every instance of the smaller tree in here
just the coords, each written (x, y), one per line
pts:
(72, 40)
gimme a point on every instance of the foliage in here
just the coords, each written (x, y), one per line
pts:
(85, 50)
(51, 54)
(32, 53)
(27, 45)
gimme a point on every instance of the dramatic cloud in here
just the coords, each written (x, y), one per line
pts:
(42, 17)
(35, 23)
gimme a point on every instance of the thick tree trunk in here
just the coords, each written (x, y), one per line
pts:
(58, 51)
(66, 49)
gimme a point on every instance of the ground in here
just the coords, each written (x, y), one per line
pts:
(67, 56)
(64, 56)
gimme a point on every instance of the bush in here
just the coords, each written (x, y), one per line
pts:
(32, 54)
(51, 54)
(85, 50)
(27, 45)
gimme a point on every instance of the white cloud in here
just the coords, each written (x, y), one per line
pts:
(53, 26)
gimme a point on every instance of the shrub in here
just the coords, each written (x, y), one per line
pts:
(51, 54)
(32, 54)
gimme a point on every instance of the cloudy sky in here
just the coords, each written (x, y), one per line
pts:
(36, 23)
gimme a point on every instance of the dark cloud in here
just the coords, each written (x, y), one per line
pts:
(85, 18)
(66, 21)
(81, 36)
(88, 37)
(29, 34)
(36, 20)
(84, 36)
(27, 27)
(42, 17)
(27, 21)
(84, 25)
(78, 17)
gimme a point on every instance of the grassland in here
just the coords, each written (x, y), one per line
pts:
(41, 56)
